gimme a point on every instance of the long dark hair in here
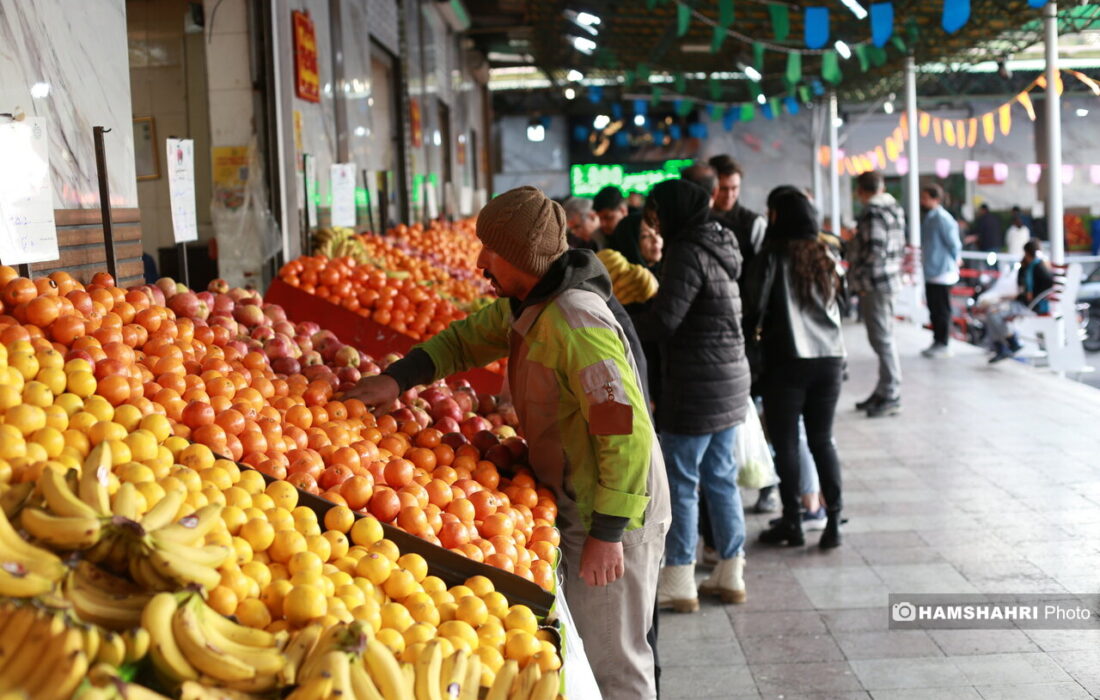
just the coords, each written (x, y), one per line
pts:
(793, 231)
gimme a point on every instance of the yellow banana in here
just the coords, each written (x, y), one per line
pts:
(12, 500)
(337, 666)
(125, 503)
(190, 529)
(43, 683)
(183, 571)
(19, 624)
(502, 685)
(138, 642)
(238, 633)
(300, 646)
(528, 677)
(61, 532)
(92, 640)
(317, 689)
(453, 675)
(112, 650)
(24, 661)
(17, 581)
(105, 600)
(385, 671)
(93, 479)
(141, 568)
(167, 655)
(428, 666)
(14, 548)
(471, 685)
(264, 660)
(192, 690)
(60, 498)
(212, 555)
(362, 685)
(547, 687)
(203, 655)
(164, 511)
(133, 691)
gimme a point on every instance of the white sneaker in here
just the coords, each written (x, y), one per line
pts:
(727, 581)
(676, 589)
(936, 351)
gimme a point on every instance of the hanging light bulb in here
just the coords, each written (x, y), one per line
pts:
(843, 49)
(570, 93)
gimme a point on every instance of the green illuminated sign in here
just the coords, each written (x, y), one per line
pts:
(586, 180)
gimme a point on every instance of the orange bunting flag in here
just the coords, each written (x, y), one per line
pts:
(937, 129)
(1060, 85)
(892, 149)
(948, 132)
(900, 134)
(1089, 82)
(845, 166)
(881, 154)
(868, 166)
(989, 128)
(903, 123)
(925, 123)
(972, 133)
(960, 133)
(1006, 119)
(1025, 99)
(824, 155)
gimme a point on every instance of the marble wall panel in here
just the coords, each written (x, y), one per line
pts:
(78, 49)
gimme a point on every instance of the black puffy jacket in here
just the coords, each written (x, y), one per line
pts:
(696, 317)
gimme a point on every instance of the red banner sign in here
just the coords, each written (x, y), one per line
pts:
(307, 82)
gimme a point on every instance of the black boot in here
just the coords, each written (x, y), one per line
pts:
(788, 532)
(830, 538)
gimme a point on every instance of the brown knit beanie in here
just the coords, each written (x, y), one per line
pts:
(525, 227)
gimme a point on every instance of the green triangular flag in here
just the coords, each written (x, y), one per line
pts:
(725, 13)
(748, 112)
(643, 73)
(714, 88)
(804, 93)
(628, 77)
(655, 97)
(912, 31)
(781, 21)
(776, 108)
(794, 68)
(877, 56)
(650, 4)
(715, 113)
(717, 39)
(680, 83)
(683, 19)
(899, 43)
(687, 106)
(861, 54)
(758, 56)
(830, 67)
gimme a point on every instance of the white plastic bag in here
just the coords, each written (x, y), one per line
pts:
(753, 455)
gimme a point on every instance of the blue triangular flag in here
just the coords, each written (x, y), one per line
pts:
(956, 13)
(617, 111)
(677, 105)
(580, 133)
(1037, 3)
(730, 117)
(792, 105)
(595, 94)
(816, 24)
(766, 110)
(641, 107)
(817, 87)
(882, 22)
(674, 131)
(620, 139)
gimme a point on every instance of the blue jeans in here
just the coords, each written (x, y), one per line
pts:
(706, 461)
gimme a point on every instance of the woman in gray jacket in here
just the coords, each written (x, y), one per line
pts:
(792, 299)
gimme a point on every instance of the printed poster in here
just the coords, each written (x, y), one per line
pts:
(27, 230)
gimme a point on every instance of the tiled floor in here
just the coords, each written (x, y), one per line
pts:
(989, 481)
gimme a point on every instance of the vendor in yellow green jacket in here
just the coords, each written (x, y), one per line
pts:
(578, 395)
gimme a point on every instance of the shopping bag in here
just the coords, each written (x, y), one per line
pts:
(756, 469)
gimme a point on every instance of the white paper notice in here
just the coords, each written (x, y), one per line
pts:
(343, 194)
(27, 231)
(311, 190)
(181, 189)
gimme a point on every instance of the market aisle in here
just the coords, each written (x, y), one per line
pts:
(988, 482)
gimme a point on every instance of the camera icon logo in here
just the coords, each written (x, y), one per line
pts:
(903, 612)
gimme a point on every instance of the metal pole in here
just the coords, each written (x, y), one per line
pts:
(834, 162)
(815, 120)
(1055, 207)
(912, 199)
(105, 199)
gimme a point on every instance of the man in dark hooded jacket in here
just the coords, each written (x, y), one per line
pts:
(696, 320)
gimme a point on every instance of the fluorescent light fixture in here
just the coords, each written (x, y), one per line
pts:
(639, 119)
(761, 99)
(437, 138)
(1082, 112)
(570, 93)
(587, 19)
(574, 75)
(842, 49)
(536, 133)
(857, 9)
(360, 131)
(585, 46)
(40, 90)
(753, 74)
(601, 121)
(838, 122)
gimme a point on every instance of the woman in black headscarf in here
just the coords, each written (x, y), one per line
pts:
(791, 299)
(696, 321)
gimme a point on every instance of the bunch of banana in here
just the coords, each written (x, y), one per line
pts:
(169, 555)
(529, 684)
(41, 653)
(79, 506)
(25, 570)
(192, 642)
(339, 242)
(103, 599)
(631, 284)
(104, 683)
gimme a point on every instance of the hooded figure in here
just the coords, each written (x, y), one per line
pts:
(696, 320)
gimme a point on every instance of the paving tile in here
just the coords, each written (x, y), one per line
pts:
(706, 681)
(886, 645)
(893, 674)
(963, 693)
(781, 622)
(677, 651)
(1065, 640)
(856, 620)
(876, 540)
(843, 587)
(783, 649)
(1007, 669)
(923, 578)
(1040, 691)
(903, 555)
(1082, 665)
(803, 678)
(968, 642)
(711, 622)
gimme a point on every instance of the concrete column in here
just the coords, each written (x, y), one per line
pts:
(912, 199)
(834, 161)
(1054, 205)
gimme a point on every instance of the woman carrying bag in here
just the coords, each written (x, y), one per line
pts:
(793, 317)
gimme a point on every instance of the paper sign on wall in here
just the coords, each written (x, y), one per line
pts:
(181, 189)
(343, 194)
(27, 231)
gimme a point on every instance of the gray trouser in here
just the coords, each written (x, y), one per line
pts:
(613, 620)
(878, 314)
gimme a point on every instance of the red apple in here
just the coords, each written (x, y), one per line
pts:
(446, 408)
(310, 358)
(223, 303)
(466, 401)
(218, 286)
(518, 447)
(346, 356)
(167, 286)
(248, 314)
(453, 438)
(486, 403)
(286, 365)
(473, 425)
(499, 455)
(185, 304)
(274, 312)
(402, 414)
(262, 333)
(238, 294)
(280, 346)
(308, 327)
(484, 439)
(348, 374)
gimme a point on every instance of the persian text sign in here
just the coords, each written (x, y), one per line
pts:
(307, 82)
(181, 189)
(27, 230)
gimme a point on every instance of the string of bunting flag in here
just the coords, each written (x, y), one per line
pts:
(959, 133)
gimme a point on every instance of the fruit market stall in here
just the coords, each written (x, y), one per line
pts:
(185, 511)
